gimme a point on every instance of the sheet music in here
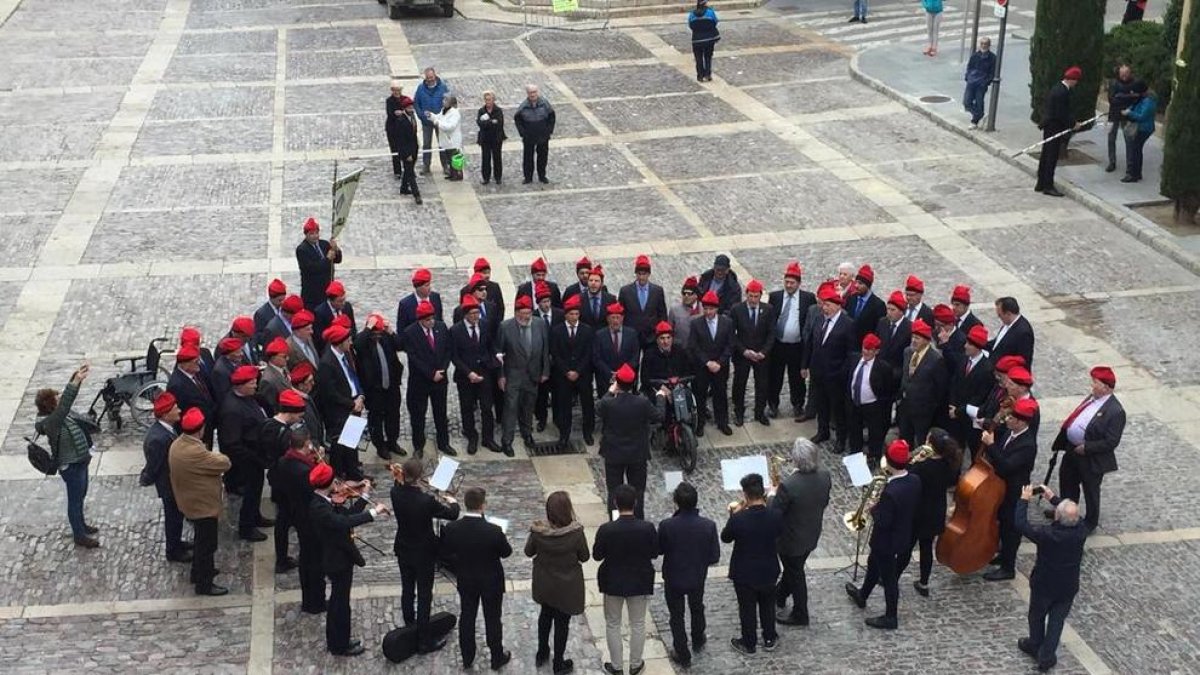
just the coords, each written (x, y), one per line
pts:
(502, 523)
(856, 466)
(352, 431)
(672, 479)
(733, 470)
(444, 473)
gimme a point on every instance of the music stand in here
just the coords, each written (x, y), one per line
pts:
(854, 566)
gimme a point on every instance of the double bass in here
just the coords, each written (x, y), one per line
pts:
(972, 536)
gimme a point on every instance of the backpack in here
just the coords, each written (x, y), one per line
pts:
(45, 461)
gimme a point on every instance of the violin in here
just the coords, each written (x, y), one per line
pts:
(347, 491)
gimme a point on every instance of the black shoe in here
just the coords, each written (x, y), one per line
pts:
(187, 545)
(212, 590)
(921, 589)
(738, 419)
(527, 439)
(541, 426)
(252, 535)
(1028, 647)
(1052, 192)
(638, 669)
(681, 661)
(543, 180)
(762, 419)
(472, 446)
(87, 542)
(565, 667)
(90, 529)
(498, 181)
(999, 574)
(1130, 179)
(185, 557)
(1112, 166)
(541, 658)
(769, 645)
(285, 565)
(742, 647)
(383, 453)
(319, 609)
(447, 450)
(264, 522)
(1043, 666)
(611, 669)
(819, 438)
(884, 622)
(498, 663)
(508, 451)
(527, 181)
(996, 560)
(354, 649)
(699, 431)
(856, 595)
(854, 19)
(485, 182)
(724, 428)
(788, 619)
(864, 20)
(405, 191)
(589, 440)
(491, 445)
(417, 199)
(801, 418)
(432, 647)
(781, 600)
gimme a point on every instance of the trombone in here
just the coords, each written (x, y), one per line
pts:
(856, 520)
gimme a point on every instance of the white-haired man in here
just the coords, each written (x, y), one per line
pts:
(534, 119)
(801, 498)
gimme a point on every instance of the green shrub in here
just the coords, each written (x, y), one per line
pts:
(1170, 22)
(1140, 44)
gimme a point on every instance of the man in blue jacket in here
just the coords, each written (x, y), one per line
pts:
(753, 529)
(428, 99)
(980, 71)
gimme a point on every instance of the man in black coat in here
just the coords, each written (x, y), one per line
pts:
(1015, 335)
(689, 546)
(571, 351)
(380, 371)
(191, 389)
(339, 394)
(241, 422)
(753, 340)
(894, 331)
(494, 295)
(474, 360)
(339, 555)
(290, 486)
(406, 309)
(477, 546)
(157, 472)
(711, 346)
(754, 530)
(583, 269)
(825, 360)
(335, 305)
(627, 419)
(538, 272)
(924, 383)
(625, 548)
(1056, 118)
(960, 302)
(428, 345)
(281, 326)
(801, 497)
(552, 316)
(613, 346)
(480, 290)
(416, 549)
(1088, 440)
(863, 305)
(594, 302)
(276, 292)
(275, 438)
(891, 536)
(723, 281)
(645, 302)
(402, 139)
(970, 385)
(1055, 577)
(662, 362)
(872, 386)
(1012, 451)
(316, 258)
(787, 356)
(949, 340)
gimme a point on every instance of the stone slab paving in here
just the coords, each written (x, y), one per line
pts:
(746, 69)
(738, 153)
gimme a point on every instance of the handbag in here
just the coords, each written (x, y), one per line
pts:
(1130, 129)
(45, 461)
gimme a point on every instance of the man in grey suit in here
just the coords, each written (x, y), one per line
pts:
(801, 498)
(523, 347)
(924, 384)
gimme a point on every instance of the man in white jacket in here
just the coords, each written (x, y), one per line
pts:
(449, 126)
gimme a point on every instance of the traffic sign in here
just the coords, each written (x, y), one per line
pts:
(1000, 9)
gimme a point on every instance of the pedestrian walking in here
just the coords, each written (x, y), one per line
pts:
(535, 123)
(1120, 99)
(933, 23)
(1139, 126)
(491, 137)
(980, 71)
(860, 12)
(703, 22)
(429, 98)
(408, 148)
(393, 104)
(449, 122)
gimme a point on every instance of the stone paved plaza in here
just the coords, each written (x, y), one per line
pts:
(158, 157)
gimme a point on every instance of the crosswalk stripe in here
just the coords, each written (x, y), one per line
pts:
(892, 24)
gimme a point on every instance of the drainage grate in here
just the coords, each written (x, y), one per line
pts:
(935, 98)
(551, 448)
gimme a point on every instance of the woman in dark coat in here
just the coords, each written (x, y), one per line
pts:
(938, 474)
(559, 548)
(491, 137)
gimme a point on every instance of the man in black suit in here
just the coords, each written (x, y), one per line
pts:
(689, 546)
(914, 301)
(477, 546)
(891, 536)
(191, 389)
(1055, 577)
(339, 394)
(241, 422)
(1015, 335)
(970, 385)
(949, 340)
(583, 269)
(801, 497)
(538, 272)
(495, 296)
(924, 382)
(316, 258)
(571, 349)
(1088, 440)
(339, 555)
(625, 444)
(613, 346)
(281, 326)
(754, 530)
(428, 345)
(335, 305)
(787, 356)
(1056, 118)
(894, 331)
(711, 346)
(595, 300)
(863, 305)
(1012, 451)
(645, 302)
(416, 549)
(229, 357)
(490, 316)
(473, 357)
(276, 292)
(625, 548)
(380, 372)
(960, 302)
(157, 472)
(825, 360)
(872, 386)
(406, 310)
(290, 486)
(551, 316)
(723, 282)
(753, 340)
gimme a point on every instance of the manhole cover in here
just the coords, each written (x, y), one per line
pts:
(945, 189)
(935, 98)
(548, 448)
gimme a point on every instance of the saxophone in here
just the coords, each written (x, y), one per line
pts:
(921, 454)
(856, 520)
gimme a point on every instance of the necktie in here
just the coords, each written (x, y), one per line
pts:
(571, 329)
(1075, 413)
(712, 329)
(384, 374)
(527, 339)
(913, 362)
(547, 318)
(595, 306)
(483, 311)
(781, 325)
(858, 380)
(355, 387)
(642, 292)
(429, 338)
(616, 338)
(474, 335)
(825, 329)
(894, 327)
(970, 365)
(862, 302)
(753, 316)
(200, 385)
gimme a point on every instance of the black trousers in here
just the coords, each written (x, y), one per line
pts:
(830, 401)
(561, 621)
(632, 473)
(565, 392)
(422, 395)
(312, 575)
(416, 596)
(337, 612)
(714, 387)
(1048, 161)
(742, 368)
(785, 360)
(252, 488)
(541, 149)
(1010, 538)
(703, 53)
(492, 162)
(172, 526)
(795, 584)
(756, 604)
(872, 417)
(1073, 475)
(925, 544)
(470, 397)
(470, 600)
(203, 566)
(1047, 614)
(344, 460)
(914, 424)
(393, 139)
(882, 570)
(695, 605)
(283, 523)
(408, 179)
(383, 417)
(541, 406)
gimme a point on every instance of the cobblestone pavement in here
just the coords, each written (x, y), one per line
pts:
(158, 157)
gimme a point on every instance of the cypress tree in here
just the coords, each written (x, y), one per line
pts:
(1181, 152)
(1067, 33)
